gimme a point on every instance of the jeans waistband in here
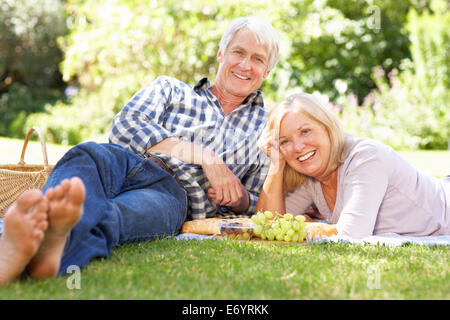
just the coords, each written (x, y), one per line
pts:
(160, 163)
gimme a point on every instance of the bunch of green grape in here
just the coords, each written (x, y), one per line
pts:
(279, 227)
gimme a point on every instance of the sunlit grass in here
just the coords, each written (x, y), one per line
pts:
(432, 162)
(11, 150)
(229, 270)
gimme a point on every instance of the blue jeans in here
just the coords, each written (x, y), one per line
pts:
(128, 199)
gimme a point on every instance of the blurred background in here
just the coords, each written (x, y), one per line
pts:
(381, 65)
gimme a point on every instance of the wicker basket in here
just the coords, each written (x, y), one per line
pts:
(17, 178)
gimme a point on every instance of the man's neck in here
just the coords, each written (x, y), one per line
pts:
(228, 102)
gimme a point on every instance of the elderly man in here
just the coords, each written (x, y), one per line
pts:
(177, 152)
(199, 130)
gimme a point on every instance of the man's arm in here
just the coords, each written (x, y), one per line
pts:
(226, 189)
(137, 126)
(185, 151)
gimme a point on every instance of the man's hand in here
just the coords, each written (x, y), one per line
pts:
(241, 206)
(226, 189)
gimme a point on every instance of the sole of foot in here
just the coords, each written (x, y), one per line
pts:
(25, 223)
(65, 203)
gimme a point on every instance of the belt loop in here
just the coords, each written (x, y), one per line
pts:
(160, 163)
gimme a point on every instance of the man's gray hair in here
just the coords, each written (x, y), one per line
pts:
(262, 29)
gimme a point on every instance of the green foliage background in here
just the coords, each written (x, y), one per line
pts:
(29, 59)
(381, 65)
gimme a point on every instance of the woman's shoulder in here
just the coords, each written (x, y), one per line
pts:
(364, 144)
(367, 148)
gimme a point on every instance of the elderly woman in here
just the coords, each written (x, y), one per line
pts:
(360, 186)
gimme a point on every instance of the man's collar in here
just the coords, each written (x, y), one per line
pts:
(254, 98)
(203, 84)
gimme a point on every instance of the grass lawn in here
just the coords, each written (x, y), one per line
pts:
(12, 148)
(433, 162)
(210, 269)
(228, 270)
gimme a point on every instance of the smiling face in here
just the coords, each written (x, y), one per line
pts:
(243, 66)
(305, 144)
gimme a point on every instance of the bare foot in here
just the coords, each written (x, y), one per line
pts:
(65, 210)
(25, 223)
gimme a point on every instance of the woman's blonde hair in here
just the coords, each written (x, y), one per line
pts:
(311, 107)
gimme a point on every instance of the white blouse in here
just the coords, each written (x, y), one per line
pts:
(379, 192)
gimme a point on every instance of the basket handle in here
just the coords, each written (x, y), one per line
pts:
(44, 148)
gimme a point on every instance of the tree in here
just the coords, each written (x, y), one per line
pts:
(335, 49)
(29, 57)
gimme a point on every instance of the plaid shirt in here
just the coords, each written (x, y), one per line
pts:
(170, 108)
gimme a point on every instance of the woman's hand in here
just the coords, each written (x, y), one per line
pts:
(269, 144)
(271, 197)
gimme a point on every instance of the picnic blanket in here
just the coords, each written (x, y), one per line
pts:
(386, 239)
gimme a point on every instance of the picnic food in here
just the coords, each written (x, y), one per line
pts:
(314, 229)
(211, 225)
(236, 230)
(270, 226)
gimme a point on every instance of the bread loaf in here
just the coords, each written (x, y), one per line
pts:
(211, 225)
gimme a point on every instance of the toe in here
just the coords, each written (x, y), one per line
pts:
(43, 206)
(27, 200)
(58, 192)
(65, 184)
(50, 194)
(42, 226)
(42, 216)
(38, 234)
(77, 191)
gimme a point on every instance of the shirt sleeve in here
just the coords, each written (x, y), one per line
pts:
(139, 125)
(364, 187)
(299, 200)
